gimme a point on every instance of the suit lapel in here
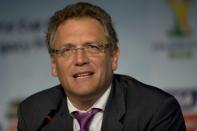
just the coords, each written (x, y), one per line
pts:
(112, 118)
(62, 120)
(115, 109)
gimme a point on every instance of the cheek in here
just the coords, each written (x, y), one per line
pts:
(62, 69)
(58, 67)
(108, 63)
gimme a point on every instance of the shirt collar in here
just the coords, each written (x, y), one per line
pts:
(100, 103)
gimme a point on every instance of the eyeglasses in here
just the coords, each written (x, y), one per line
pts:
(89, 49)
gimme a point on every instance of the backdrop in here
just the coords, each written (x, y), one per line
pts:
(157, 39)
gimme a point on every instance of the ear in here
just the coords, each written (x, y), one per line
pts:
(53, 66)
(115, 58)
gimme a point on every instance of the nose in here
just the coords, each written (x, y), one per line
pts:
(81, 57)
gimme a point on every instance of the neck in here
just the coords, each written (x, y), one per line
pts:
(84, 102)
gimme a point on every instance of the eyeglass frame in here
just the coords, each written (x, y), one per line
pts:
(61, 51)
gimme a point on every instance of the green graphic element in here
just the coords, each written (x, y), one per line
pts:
(180, 9)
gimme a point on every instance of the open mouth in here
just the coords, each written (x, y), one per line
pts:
(83, 74)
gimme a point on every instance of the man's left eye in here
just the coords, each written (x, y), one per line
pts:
(93, 46)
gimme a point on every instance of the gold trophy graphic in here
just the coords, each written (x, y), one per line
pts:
(181, 9)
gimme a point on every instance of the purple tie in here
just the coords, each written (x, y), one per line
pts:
(84, 119)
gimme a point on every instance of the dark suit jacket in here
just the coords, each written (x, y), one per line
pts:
(132, 106)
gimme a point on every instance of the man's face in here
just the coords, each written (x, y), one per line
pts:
(80, 74)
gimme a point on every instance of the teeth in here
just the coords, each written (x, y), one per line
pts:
(83, 74)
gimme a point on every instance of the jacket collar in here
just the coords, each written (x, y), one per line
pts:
(115, 108)
(62, 120)
(112, 118)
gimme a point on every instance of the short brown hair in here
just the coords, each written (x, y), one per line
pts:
(77, 10)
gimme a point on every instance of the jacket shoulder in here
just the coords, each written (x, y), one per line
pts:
(133, 87)
(147, 104)
(34, 109)
(48, 96)
(142, 97)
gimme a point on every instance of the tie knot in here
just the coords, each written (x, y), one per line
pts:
(84, 119)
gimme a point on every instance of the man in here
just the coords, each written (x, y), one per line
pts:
(82, 43)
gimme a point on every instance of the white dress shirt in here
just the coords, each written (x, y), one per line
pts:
(96, 122)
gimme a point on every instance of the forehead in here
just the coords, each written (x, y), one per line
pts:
(79, 30)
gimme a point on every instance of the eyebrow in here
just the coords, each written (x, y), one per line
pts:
(83, 44)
